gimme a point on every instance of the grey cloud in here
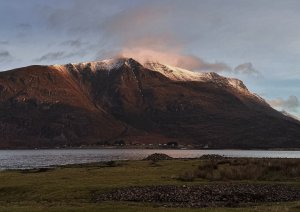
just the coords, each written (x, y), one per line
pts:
(4, 42)
(5, 56)
(54, 56)
(215, 67)
(290, 104)
(51, 56)
(73, 43)
(145, 31)
(88, 18)
(24, 31)
(247, 68)
(24, 26)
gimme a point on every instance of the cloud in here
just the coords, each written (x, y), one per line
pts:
(88, 18)
(5, 56)
(24, 31)
(143, 33)
(146, 33)
(24, 26)
(54, 56)
(248, 69)
(290, 104)
(51, 56)
(174, 58)
(138, 21)
(73, 43)
(4, 42)
(142, 30)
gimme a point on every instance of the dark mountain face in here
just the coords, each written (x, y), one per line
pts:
(102, 102)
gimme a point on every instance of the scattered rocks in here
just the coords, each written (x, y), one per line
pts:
(212, 157)
(221, 195)
(158, 156)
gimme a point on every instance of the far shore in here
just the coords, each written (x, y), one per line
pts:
(148, 148)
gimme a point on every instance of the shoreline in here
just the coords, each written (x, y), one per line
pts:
(150, 148)
(86, 161)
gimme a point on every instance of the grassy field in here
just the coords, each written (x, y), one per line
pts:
(71, 188)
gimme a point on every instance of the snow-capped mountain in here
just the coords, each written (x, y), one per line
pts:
(102, 102)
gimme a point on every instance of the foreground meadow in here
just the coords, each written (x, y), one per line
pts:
(80, 187)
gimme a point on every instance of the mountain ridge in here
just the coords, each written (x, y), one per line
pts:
(101, 102)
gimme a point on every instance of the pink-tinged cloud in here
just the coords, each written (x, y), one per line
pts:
(145, 34)
(173, 57)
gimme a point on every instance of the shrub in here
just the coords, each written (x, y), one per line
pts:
(112, 164)
(187, 176)
(246, 169)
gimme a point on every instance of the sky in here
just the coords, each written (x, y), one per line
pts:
(255, 41)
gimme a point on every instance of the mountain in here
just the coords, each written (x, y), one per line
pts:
(110, 101)
(290, 115)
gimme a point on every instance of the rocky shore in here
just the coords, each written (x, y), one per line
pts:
(212, 157)
(158, 156)
(212, 195)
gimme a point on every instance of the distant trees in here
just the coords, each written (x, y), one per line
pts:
(111, 143)
(119, 143)
(172, 144)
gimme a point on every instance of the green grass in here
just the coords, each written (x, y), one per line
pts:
(71, 188)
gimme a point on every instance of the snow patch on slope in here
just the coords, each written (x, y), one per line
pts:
(236, 83)
(107, 65)
(60, 68)
(174, 73)
(290, 115)
(179, 74)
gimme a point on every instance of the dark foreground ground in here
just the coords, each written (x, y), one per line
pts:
(206, 184)
(199, 196)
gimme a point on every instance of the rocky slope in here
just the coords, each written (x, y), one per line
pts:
(119, 99)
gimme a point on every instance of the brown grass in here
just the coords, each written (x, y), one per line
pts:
(245, 169)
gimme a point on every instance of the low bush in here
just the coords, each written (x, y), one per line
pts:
(246, 169)
(187, 176)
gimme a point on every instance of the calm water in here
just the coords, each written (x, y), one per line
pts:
(24, 159)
